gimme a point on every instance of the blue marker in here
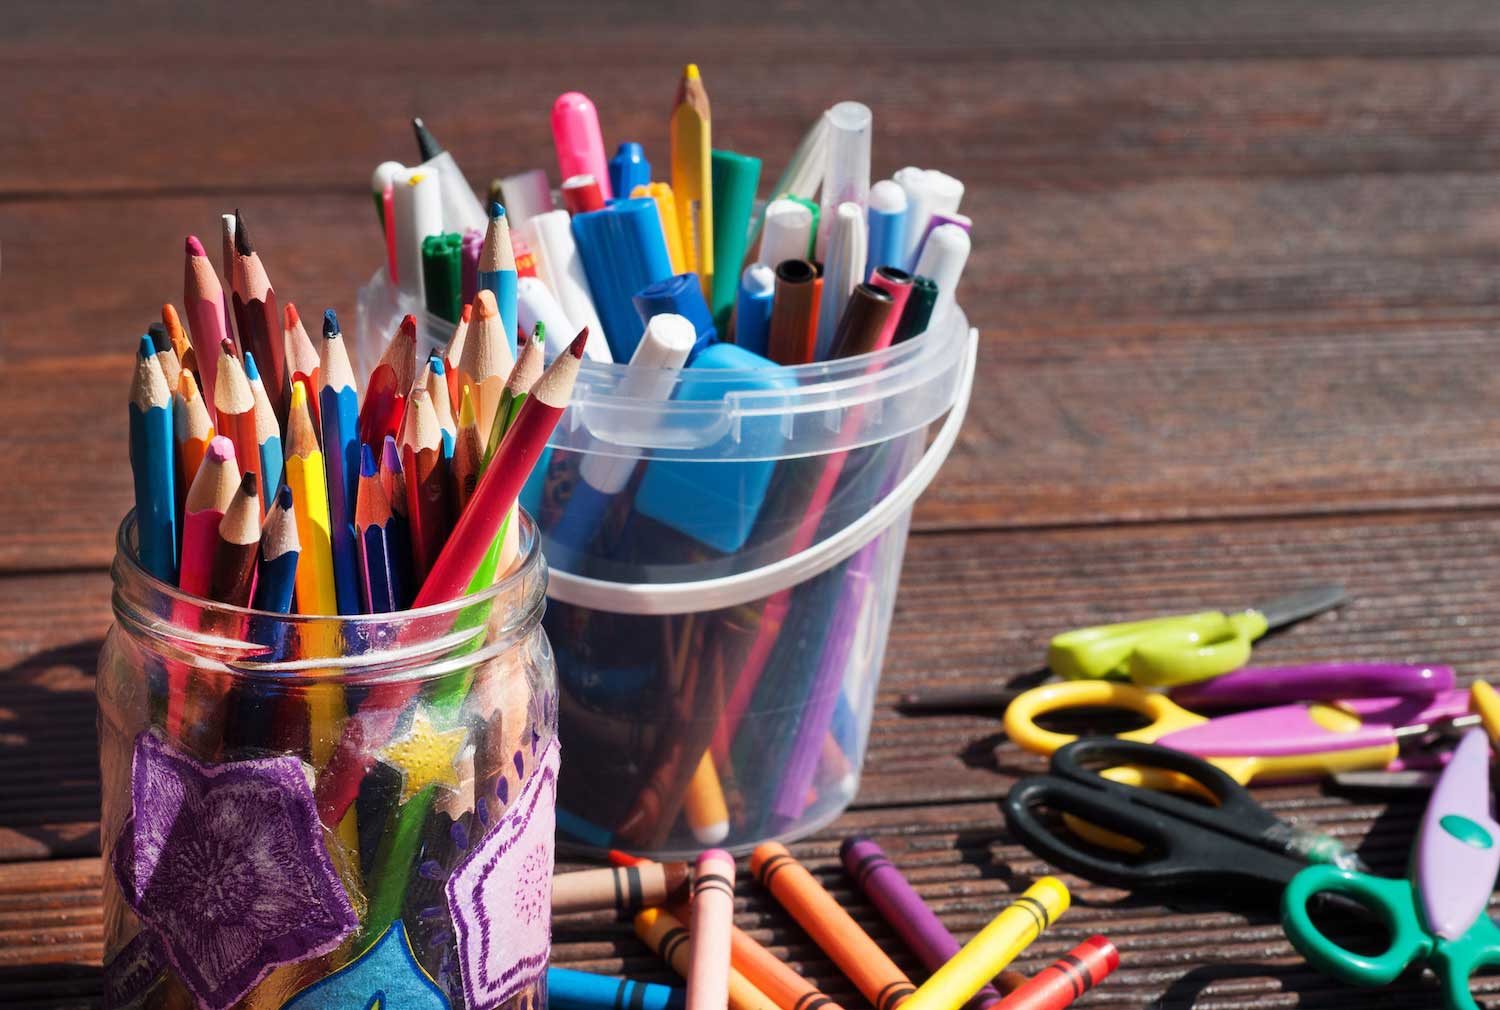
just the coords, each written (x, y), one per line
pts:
(581, 990)
(679, 295)
(497, 271)
(628, 169)
(752, 309)
(623, 250)
(889, 214)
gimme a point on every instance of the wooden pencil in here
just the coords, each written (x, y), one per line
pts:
(232, 575)
(436, 380)
(208, 498)
(528, 368)
(234, 406)
(267, 434)
(194, 429)
(427, 506)
(301, 354)
(382, 579)
(497, 271)
(258, 317)
(166, 356)
(276, 573)
(153, 464)
(389, 382)
(203, 296)
(304, 473)
(338, 405)
(186, 356)
(486, 361)
(468, 454)
(454, 352)
(692, 175)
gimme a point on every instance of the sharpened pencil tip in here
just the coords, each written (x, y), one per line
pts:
(390, 455)
(435, 362)
(220, 449)
(289, 312)
(251, 372)
(194, 247)
(427, 145)
(330, 323)
(146, 349)
(249, 482)
(242, 243)
(690, 71)
(159, 339)
(284, 497)
(408, 330)
(367, 466)
(226, 346)
(579, 342)
(496, 210)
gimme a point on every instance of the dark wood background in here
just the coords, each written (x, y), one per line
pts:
(1237, 268)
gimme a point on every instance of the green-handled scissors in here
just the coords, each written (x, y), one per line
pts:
(1439, 914)
(1183, 648)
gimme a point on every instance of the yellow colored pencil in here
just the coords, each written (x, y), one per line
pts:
(692, 176)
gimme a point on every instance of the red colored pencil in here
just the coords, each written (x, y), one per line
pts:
(426, 482)
(208, 498)
(301, 357)
(390, 382)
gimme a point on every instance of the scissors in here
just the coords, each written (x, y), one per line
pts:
(1281, 742)
(1173, 841)
(1438, 914)
(1182, 648)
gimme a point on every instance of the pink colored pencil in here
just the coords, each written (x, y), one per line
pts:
(204, 297)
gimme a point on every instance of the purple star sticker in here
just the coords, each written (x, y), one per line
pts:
(226, 864)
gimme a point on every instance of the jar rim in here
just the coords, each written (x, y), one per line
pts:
(529, 560)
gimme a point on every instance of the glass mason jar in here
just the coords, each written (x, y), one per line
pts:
(303, 812)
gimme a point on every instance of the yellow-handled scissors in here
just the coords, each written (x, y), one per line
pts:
(1183, 648)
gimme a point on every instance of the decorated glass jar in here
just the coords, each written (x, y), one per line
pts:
(309, 812)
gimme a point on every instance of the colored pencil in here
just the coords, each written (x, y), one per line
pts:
(267, 434)
(382, 577)
(666, 934)
(712, 916)
(528, 369)
(276, 574)
(194, 429)
(468, 454)
(692, 176)
(497, 271)
(305, 475)
(153, 464)
(338, 404)
(426, 472)
(390, 380)
(208, 498)
(257, 316)
(487, 360)
(832, 928)
(899, 905)
(301, 354)
(166, 357)
(204, 297)
(453, 353)
(186, 356)
(435, 378)
(234, 407)
(232, 575)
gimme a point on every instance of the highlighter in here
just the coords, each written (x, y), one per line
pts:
(580, 145)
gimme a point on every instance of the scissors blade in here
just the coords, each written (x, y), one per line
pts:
(1304, 603)
(1458, 844)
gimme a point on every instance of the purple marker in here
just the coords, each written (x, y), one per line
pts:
(901, 907)
(963, 221)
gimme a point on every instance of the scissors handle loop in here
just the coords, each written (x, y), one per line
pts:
(1169, 659)
(1022, 713)
(1392, 901)
(1104, 650)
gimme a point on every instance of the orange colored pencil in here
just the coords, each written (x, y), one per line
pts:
(301, 356)
(194, 429)
(234, 407)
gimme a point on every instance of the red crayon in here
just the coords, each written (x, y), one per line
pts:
(1064, 980)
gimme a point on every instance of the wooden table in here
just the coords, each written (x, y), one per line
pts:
(1237, 270)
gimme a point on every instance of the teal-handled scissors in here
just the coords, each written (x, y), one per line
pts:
(1438, 915)
(1183, 648)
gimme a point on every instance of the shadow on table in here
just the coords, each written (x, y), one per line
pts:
(49, 763)
(55, 986)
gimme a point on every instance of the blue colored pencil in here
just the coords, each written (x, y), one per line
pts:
(338, 408)
(276, 576)
(153, 464)
(497, 271)
(581, 990)
(267, 435)
(382, 575)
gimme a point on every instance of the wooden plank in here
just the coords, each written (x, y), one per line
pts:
(1422, 590)
(1225, 366)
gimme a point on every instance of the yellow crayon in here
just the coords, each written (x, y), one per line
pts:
(996, 946)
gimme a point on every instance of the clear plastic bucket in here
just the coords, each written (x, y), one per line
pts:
(720, 611)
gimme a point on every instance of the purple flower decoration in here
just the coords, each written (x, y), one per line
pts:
(226, 865)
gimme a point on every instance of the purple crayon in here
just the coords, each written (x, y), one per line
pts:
(901, 907)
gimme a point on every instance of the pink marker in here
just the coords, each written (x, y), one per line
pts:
(580, 145)
(712, 917)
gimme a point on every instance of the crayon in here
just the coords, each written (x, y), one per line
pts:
(712, 916)
(772, 976)
(831, 928)
(1064, 980)
(665, 934)
(995, 947)
(626, 888)
(582, 990)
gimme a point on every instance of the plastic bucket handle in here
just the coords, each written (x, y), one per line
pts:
(733, 590)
